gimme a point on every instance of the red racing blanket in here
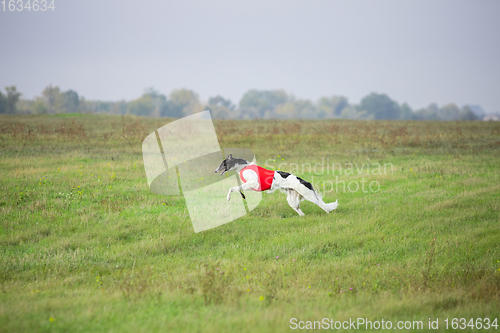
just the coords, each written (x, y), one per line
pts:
(266, 177)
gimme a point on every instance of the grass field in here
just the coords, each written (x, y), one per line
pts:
(85, 246)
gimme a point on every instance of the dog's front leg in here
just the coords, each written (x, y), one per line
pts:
(229, 193)
(244, 187)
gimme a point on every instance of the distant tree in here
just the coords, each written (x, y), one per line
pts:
(119, 107)
(3, 103)
(159, 100)
(151, 103)
(426, 114)
(406, 112)
(142, 106)
(54, 99)
(467, 114)
(221, 101)
(71, 101)
(433, 107)
(183, 102)
(9, 100)
(258, 103)
(305, 109)
(449, 112)
(352, 112)
(39, 106)
(221, 108)
(331, 107)
(477, 110)
(12, 98)
(380, 106)
(287, 111)
(325, 108)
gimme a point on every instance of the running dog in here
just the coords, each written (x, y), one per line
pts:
(259, 179)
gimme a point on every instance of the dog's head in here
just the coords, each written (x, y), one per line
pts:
(230, 163)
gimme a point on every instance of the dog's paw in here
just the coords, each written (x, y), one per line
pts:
(228, 197)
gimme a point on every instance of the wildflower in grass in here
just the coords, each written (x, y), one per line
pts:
(217, 269)
(277, 257)
(309, 287)
(248, 289)
(248, 277)
(350, 288)
(261, 298)
(51, 319)
(244, 269)
(293, 259)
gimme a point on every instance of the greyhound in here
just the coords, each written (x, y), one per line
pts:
(259, 179)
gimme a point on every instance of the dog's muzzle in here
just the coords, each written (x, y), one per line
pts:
(223, 171)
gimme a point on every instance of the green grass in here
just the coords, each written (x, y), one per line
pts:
(85, 246)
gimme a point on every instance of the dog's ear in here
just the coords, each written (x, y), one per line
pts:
(230, 157)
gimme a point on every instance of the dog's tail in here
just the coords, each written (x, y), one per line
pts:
(318, 195)
(333, 205)
(330, 206)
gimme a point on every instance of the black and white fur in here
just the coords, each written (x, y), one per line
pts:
(296, 188)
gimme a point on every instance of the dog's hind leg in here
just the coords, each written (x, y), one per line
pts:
(306, 191)
(293, 198)
(310, 195)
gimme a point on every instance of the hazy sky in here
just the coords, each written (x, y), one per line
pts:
(415, 51)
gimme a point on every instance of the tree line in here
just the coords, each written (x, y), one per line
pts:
(263, 104)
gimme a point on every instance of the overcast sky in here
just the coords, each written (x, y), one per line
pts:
(415, 51)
